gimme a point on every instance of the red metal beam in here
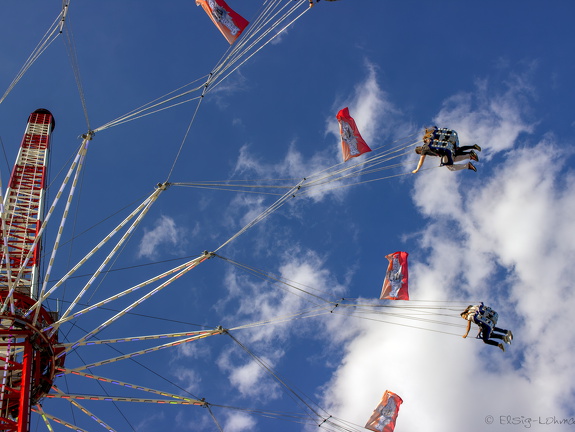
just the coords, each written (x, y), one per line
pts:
(25, 388)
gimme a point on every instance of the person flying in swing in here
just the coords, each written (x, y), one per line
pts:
(486, 319)
(445, 144)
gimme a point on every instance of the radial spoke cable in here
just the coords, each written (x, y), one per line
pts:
(126, 310)
(51, 34)
(141, 208)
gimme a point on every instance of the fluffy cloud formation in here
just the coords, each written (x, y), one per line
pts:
(493, 120)
(501, 235)
(239, 422)
(505, 238)
(370, 108)
(256, 302)
(165, 233)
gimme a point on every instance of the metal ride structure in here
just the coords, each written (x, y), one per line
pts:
(31, 354)
(42, 348)
(28, 357)
(48, 357)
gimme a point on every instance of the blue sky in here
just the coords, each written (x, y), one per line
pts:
(499, 74)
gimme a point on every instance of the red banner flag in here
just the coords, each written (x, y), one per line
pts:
(352, 144)
(395, 282)
(230, 23)
(384, 416)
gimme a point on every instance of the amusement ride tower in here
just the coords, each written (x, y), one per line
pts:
(28, 358)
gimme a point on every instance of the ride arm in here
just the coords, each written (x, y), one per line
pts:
(419, 164)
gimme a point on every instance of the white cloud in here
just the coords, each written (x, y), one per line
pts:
(248, 377)
(165, 233)
(239, 422)
(193, 350)
(370, 108)
(194, 420)
(506, 238)
(294, 165)
(144, 424)
(257, 301)
(493, 121)
(234, 83)
(374, 115)
(189, 378)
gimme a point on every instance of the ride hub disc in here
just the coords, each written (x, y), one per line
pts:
(29, 357)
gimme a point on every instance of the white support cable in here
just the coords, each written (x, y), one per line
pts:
(394, 323)
(134, 338)
(120, 399)
(230, 59)
(421, 311)
(49, 37)
(46, 416)
(407, 316)
(145, 351)
(368, 168)
(114, 250)
(79, 166)
(275, 414)
(85, 411)
(353, 170)
(327, 180)
(275, 279)
(399, 146)
(239, 48)
(214, 419)
(240, 183)
(65, 9)
(91, 253)
(276, 205)
(145, 112)
(128, 385)
(154, 103)
(308, 313)
(235, 51)
(335, 173)
(236, 47)
(223, 188)
(258, 49)
(191, 122)
(263, 35)
(81, 151)
(341, 186)
(289, 391)
(120, 294)
(106, 323)
(371, 160)
(38, 409)
(71, 48)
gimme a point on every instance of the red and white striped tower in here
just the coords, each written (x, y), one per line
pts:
(23, 207)
(28, 359)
